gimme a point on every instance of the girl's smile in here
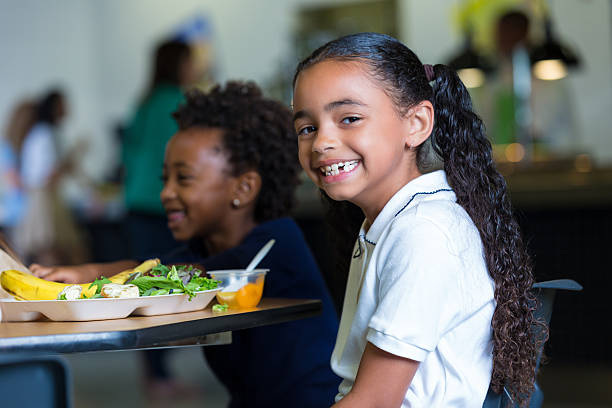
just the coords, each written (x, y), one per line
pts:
(337, 170)
(175, 217)
(353, 142)
(197, 190)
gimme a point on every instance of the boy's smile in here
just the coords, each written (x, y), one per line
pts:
(197, 191)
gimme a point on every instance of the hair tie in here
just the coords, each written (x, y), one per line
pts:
(429, 72)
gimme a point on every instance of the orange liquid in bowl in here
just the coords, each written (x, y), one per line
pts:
(247, 296)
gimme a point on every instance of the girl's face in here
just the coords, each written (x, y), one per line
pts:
(352, 141)
(188, 74)
(197, 191)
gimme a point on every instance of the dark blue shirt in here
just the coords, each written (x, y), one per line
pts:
(282, 365)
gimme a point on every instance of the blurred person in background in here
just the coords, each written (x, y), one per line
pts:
(144, 141)
(522, 107)
(511, 39)
(144, 144)
(47, 232)
(12, 197)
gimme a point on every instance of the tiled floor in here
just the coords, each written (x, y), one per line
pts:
(114, 379)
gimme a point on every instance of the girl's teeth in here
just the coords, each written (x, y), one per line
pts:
(336, 168)
(175, 215)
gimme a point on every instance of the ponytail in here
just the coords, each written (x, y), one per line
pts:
(459, 139)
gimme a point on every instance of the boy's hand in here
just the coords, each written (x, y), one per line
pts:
(65, 274)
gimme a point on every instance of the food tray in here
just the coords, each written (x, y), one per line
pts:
(102, 308)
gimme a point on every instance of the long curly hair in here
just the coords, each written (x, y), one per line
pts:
(258, 135)
(459, 141)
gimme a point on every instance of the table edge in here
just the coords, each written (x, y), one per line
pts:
(158, 335)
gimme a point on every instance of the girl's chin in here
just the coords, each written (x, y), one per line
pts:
(336, 194)
(179, 235)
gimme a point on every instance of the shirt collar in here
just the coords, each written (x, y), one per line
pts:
(411, 194)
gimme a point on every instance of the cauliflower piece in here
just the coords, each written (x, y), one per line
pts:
(71, 292)
(115, 290)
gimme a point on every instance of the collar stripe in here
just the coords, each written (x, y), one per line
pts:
(406, 205)
(420, 193)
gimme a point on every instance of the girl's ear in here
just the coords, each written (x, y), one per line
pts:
(420, 121)
(246, 189)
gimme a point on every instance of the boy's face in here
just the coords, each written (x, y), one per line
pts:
(197, 193)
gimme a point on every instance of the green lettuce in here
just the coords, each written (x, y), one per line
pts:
(165, 280)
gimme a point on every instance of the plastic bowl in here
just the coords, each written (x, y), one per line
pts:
(239, 289)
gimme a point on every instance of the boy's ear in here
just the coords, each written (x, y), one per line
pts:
(246, 188)
(420, 121)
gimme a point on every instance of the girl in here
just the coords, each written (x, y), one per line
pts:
(438, 303)
(229, 178)
(47, 231)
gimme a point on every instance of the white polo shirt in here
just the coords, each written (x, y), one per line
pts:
(418, 288)
(38, 157)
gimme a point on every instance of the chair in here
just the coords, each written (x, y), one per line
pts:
(34, 380)
(546, 298)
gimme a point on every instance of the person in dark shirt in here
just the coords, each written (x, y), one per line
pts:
(284, 365)
(229, 178)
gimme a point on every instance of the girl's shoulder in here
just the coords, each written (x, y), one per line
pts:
(444, 213)
(440, 233)
(39, 138)
(167, 93)
(440, 220)
(40, 130)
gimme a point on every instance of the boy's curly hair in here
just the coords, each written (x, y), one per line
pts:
(258, 135)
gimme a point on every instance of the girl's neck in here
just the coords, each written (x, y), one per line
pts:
(372, 209)
(228, 238)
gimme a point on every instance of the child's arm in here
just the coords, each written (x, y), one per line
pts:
(81, 273)
(382, 380)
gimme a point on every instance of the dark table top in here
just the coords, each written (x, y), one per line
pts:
(145, 332)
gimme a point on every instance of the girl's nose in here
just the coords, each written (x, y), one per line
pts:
(324, 140)
(167, 192)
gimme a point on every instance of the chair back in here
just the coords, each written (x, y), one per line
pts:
(546, 298)
(34, 380)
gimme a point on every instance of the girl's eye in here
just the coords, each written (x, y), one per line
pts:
(306, 130)
(350, 119)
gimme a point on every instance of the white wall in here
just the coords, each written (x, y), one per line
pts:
(99, 50)
(47, 43)
(586, 25)
(251, 38)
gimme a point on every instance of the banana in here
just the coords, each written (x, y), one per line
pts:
(28, 287)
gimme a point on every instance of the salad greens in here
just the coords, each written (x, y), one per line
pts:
(164, 280)
(101, 281)
(219, 308)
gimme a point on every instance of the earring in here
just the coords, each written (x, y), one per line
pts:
(235, 202)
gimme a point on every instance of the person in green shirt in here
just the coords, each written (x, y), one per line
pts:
(144, 143)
